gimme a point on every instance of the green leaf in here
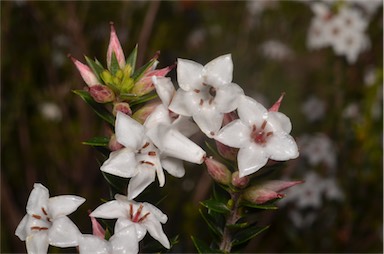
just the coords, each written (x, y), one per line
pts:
(247, 234)
(238, 225)
(96, 67)
(211, 224)
(144, 98)
(216, 206)
(201, 246)
(114, 67)
(97, 107)
(97, 141)
(131, 60)
(263, 207)
(137, 75)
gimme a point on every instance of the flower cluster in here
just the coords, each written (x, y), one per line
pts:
(155, 137)
(341, 25)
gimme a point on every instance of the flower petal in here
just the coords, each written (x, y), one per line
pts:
(184, 103)
(234, 134)
(90, 244)
(110, 210)
(160, 216)
(121, 163)
(144, 177)
(37, 199)
(281, 119)
(209, 120)
(129, 132)
(164, 88)
(63, 233)
(63, 205)
(121, 223)
(173, 166)
(250, 111)
(282, 147)
(227, 97)
(125, 241)
(37, 243)
(189, 74)
(185, 126)
(219, 71)
(251, 159)
(21, 231)
(159, 115)
(156, 231)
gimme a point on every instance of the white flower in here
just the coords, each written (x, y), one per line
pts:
(147, 151)
(143, 216)
(123, 241)
(206, 92)
(46, 222)
(260, 135)
(313, 109)
(276, 50)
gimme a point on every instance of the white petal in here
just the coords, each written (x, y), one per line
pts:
(173, 166)
(251, 112)
(164, 88)
(209, 120)
(185, 125)
(227, 97)
(156, 231)
(189, 74)
(21, 231)
(234, 134)
(121, 163)
(37, 199)
(144, 177)
(282, 147)
(140, 229)
(159, 115)
(63, 205)
(251, 159)
(159, 215)
(184, 103)
(125, 241)
(37, 243)
(90, 244)
(219, 71)
(63, 233)
(110, 210)
(282, 119)
(128, 131)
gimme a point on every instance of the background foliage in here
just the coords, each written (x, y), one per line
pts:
(46, 147)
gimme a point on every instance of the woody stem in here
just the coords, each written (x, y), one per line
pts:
(226, 243)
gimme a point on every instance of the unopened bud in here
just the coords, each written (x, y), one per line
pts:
(229, 117)
(218, 171)
(97, 229)
(86, 73)
(113, 144)
(275, 107)
(115, 47)
(229, 153)
(101, 93)
(123, 107)
(142, 114)
(143, 86)
(239, 182)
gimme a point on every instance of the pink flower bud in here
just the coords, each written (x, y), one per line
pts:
(113, 144)
(275, 107)
(239, 182)
(145, 84)
(101, 93)
(229, 153)
(86, 73)
(267, 191)
(142, 114)
(115, 46)
(123, 107)
(97, 229)
(229, 117)
(218, 171)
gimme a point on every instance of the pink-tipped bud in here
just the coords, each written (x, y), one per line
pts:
(229, 153)
(101, 93)
(239, 182)
(218, 171)
(275, 107)
(267, 191)
(86, 73)
(115, 46)
(113, 144)
(123, 107)
(97, 229)
(145, 84)
(142, 114)
(229, 117)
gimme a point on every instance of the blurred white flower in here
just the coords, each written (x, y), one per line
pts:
(352, 111)
(51, 111)
(255, 8)
(276, 50)
(369, 6)
(314, 109)
(196, 38)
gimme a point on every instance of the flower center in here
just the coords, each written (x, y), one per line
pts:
(260, 135)
(43, 219)
(208, 94)
(137, 217)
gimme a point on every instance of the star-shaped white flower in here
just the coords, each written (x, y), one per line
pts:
(206, 92)
(46, 222)
(143, 216)
(260, 134)
(147, 151)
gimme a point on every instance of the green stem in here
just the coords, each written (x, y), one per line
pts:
(226, 243)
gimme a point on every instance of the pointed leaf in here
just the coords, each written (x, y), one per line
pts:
(215, 205)
(118, 183)
(131, 60)
(211, 224)
(247, 234)
(263, 207)
(238, 225)
(201, 246)
(114, 64)
(96, 67)
(137, 75)
(97, 141)
(98, 108)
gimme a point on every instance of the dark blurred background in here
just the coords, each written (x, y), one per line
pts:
(335, 108)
